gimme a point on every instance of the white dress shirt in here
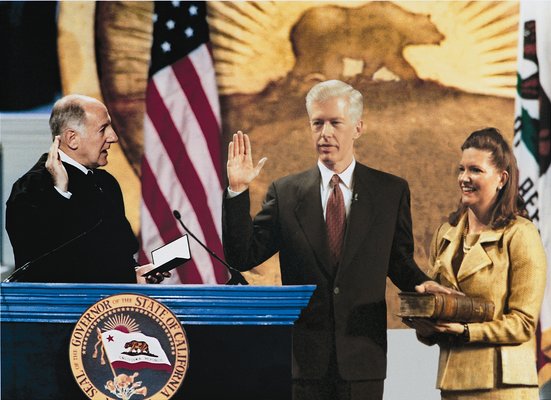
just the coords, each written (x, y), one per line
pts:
(345, 184)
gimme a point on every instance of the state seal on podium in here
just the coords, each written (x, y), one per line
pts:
(128, 346)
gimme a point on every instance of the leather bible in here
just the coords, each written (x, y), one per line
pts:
(447, 307)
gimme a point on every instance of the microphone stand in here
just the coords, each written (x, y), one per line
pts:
(235, 276)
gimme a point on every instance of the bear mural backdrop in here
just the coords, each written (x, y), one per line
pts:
(374, 35)
(430, 72)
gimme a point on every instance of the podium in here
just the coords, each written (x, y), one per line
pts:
(239, 337)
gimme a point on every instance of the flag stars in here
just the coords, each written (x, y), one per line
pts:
(166, 47)
(179, 28)
(110, 338)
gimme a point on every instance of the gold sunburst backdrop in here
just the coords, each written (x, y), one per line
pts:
(459, 47)
(252, 47)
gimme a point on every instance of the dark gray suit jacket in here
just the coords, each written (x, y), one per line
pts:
(347, 311)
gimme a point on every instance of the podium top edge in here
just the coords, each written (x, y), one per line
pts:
(196, 304)
(135, 286)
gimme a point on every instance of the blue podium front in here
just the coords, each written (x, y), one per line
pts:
(239, 337)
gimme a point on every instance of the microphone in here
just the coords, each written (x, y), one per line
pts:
(354, 198)
(236, 277)
(15, 275)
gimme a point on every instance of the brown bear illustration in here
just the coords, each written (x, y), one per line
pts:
(137, 347)
(375, 33)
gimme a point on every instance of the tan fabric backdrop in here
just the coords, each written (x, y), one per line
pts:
(431, 72)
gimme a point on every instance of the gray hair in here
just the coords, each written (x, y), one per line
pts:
(334, 88)
(68, 112)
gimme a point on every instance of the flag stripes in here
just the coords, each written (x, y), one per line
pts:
(182, 164)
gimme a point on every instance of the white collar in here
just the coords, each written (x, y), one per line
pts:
(346, 175)
(65, 158)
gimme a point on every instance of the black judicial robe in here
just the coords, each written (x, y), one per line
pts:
(97, 242)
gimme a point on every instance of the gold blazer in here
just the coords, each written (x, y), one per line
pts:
(508, 267)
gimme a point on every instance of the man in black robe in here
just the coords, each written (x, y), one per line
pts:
(65, 217)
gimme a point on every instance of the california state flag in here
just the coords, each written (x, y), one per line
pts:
(134, 351)
(533, 147)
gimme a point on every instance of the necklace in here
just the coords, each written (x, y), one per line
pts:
(466, 247)
(469, 240)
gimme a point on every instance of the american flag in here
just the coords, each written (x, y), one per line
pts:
(181, 168)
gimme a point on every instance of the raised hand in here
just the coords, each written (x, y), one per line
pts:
(56, 168)
(241, 171)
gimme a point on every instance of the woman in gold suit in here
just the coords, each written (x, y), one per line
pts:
(488, 249)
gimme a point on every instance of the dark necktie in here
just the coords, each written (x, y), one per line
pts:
(335, 220)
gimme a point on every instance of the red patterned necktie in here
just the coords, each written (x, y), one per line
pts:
(335, 220)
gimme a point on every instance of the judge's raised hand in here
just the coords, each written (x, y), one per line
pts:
(56, 168)
(241, 171)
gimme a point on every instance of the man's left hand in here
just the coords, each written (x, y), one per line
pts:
(435, 287)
